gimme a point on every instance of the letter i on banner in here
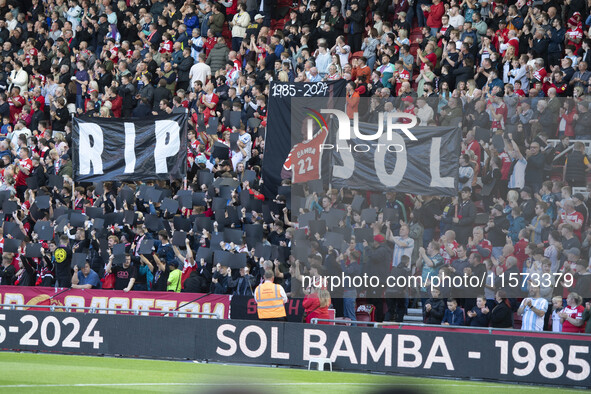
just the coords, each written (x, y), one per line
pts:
(129, 148)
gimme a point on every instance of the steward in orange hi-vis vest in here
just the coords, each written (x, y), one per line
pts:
(270, 299)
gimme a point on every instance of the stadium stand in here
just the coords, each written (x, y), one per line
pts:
(518, 70)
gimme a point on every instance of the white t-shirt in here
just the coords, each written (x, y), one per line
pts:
(199, 71)
(456, 21)
(556, 324)
(343, 57)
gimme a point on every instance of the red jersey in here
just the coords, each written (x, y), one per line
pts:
(432, 57)
(574, 34)
(500, 124)
(447, 258)
(206, 98)
(575, 217)
(520, 254)
(401, 76)
(484, 244)
(474, 146)
(31, 55)
(209, 44)
(14, 110)
(187, 269)
(304, 160)
(114, 54)
(21, 178)
(505, 166)
(540, 74)
(575, 313)
(166, 47)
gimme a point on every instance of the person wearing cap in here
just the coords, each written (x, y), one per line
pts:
(65, 166)
(253, 29)
(355, 18)
(173, 283)
(574, 34)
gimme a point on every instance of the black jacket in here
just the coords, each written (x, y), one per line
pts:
(435, 315)
(501, 316)
(183, 69)
(161, 93)
(495, 235)
(528, 209)
(582, 124)
(467, 216)
(127, 93)
(356, 21)
(378, 261)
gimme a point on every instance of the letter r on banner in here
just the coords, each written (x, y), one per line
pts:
(90, 154)
(167, 143)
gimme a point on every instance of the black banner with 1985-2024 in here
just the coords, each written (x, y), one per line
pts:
(278, 136)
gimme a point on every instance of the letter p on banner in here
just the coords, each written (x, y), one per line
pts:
(167, 143)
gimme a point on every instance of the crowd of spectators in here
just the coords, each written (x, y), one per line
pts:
(513, 75)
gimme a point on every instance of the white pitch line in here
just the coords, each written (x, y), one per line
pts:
(499, 386)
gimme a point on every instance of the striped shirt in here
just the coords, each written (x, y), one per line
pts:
(531, 321)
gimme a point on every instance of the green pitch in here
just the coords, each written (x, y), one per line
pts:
(44, 373)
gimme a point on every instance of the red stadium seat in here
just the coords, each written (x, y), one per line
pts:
(517, 321)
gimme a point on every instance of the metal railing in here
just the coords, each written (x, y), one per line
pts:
(95, 309)
(460, 328)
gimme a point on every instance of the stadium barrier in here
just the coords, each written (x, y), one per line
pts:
(152, 303)
(92, 309)
(535, 358)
